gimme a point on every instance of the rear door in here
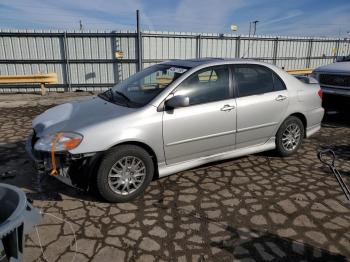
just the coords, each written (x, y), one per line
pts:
(262, 99)
(208, 125)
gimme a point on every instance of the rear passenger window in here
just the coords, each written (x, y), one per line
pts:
(255, 80)
(278, 85)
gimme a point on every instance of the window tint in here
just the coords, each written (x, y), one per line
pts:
(278, 84)
(207, 85)
(253, 80)
(207, 76)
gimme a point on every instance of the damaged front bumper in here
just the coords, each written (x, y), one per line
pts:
(72, 170)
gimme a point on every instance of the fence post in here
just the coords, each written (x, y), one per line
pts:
(275, 49)
(139, 42)
(199, 46)
(309, 53)
(337, 48)
(238, 47)
(66, 59)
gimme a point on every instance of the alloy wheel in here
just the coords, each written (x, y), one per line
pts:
(127, 175)
(291, 137)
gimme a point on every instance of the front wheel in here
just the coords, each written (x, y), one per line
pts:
(124, 173)
(289, 136)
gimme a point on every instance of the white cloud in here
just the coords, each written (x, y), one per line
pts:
(66, 14)
(291, 14)
(318, 23)
(206, 13)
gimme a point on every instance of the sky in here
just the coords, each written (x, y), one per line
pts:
(329, 18)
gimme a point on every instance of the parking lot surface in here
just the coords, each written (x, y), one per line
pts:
(258, 207)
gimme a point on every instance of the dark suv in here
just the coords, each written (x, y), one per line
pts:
(334, 79)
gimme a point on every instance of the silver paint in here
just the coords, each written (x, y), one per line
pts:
(190, 136)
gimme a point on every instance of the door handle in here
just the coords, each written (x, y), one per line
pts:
(281, 98)
(227, 108)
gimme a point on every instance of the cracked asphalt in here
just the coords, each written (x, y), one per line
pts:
(253, 208)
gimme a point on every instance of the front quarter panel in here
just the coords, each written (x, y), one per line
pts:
(143, 126)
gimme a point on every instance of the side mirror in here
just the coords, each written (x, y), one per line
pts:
(178, 101)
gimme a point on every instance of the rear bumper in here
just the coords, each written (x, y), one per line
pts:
(66, 164)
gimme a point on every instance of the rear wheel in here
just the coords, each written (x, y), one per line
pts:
(289, 136)
(124, 173)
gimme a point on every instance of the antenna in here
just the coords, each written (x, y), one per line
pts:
(80, 25)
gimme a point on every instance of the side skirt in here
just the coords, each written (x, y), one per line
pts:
(165, 170)
(312, 130)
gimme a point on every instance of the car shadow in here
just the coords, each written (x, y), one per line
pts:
(336, 112)
(342, 152)
(265, 246)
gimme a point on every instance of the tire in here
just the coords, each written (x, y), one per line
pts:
(120, 170)
(287, 145)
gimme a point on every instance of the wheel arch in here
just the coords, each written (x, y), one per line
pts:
(146, 147)
(302, 118)
(95, 161)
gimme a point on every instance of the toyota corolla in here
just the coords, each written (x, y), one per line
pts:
(170, 117)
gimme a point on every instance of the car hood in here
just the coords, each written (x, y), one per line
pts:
(78, 115)
(339, 67)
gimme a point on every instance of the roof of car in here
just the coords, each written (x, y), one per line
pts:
(197, 62)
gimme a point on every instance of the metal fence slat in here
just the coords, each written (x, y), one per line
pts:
(87, 58)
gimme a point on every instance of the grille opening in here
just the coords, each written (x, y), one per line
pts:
(335, 80)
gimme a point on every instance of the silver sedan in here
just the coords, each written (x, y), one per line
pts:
(171, 117)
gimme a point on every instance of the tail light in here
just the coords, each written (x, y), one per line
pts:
(320, 93)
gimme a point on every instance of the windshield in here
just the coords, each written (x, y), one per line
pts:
(343, 58)
(347, 58)
(139, 89)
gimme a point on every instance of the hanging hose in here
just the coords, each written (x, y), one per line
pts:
(330, 162)
(53, 159)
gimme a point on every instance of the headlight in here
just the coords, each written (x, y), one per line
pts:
(63, 141)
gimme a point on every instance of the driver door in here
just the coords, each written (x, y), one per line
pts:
(208, 125)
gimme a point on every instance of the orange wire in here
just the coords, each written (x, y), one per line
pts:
(53, 159)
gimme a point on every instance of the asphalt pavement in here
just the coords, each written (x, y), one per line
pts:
(253, 208)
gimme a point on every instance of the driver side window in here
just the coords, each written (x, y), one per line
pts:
(207, 85)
